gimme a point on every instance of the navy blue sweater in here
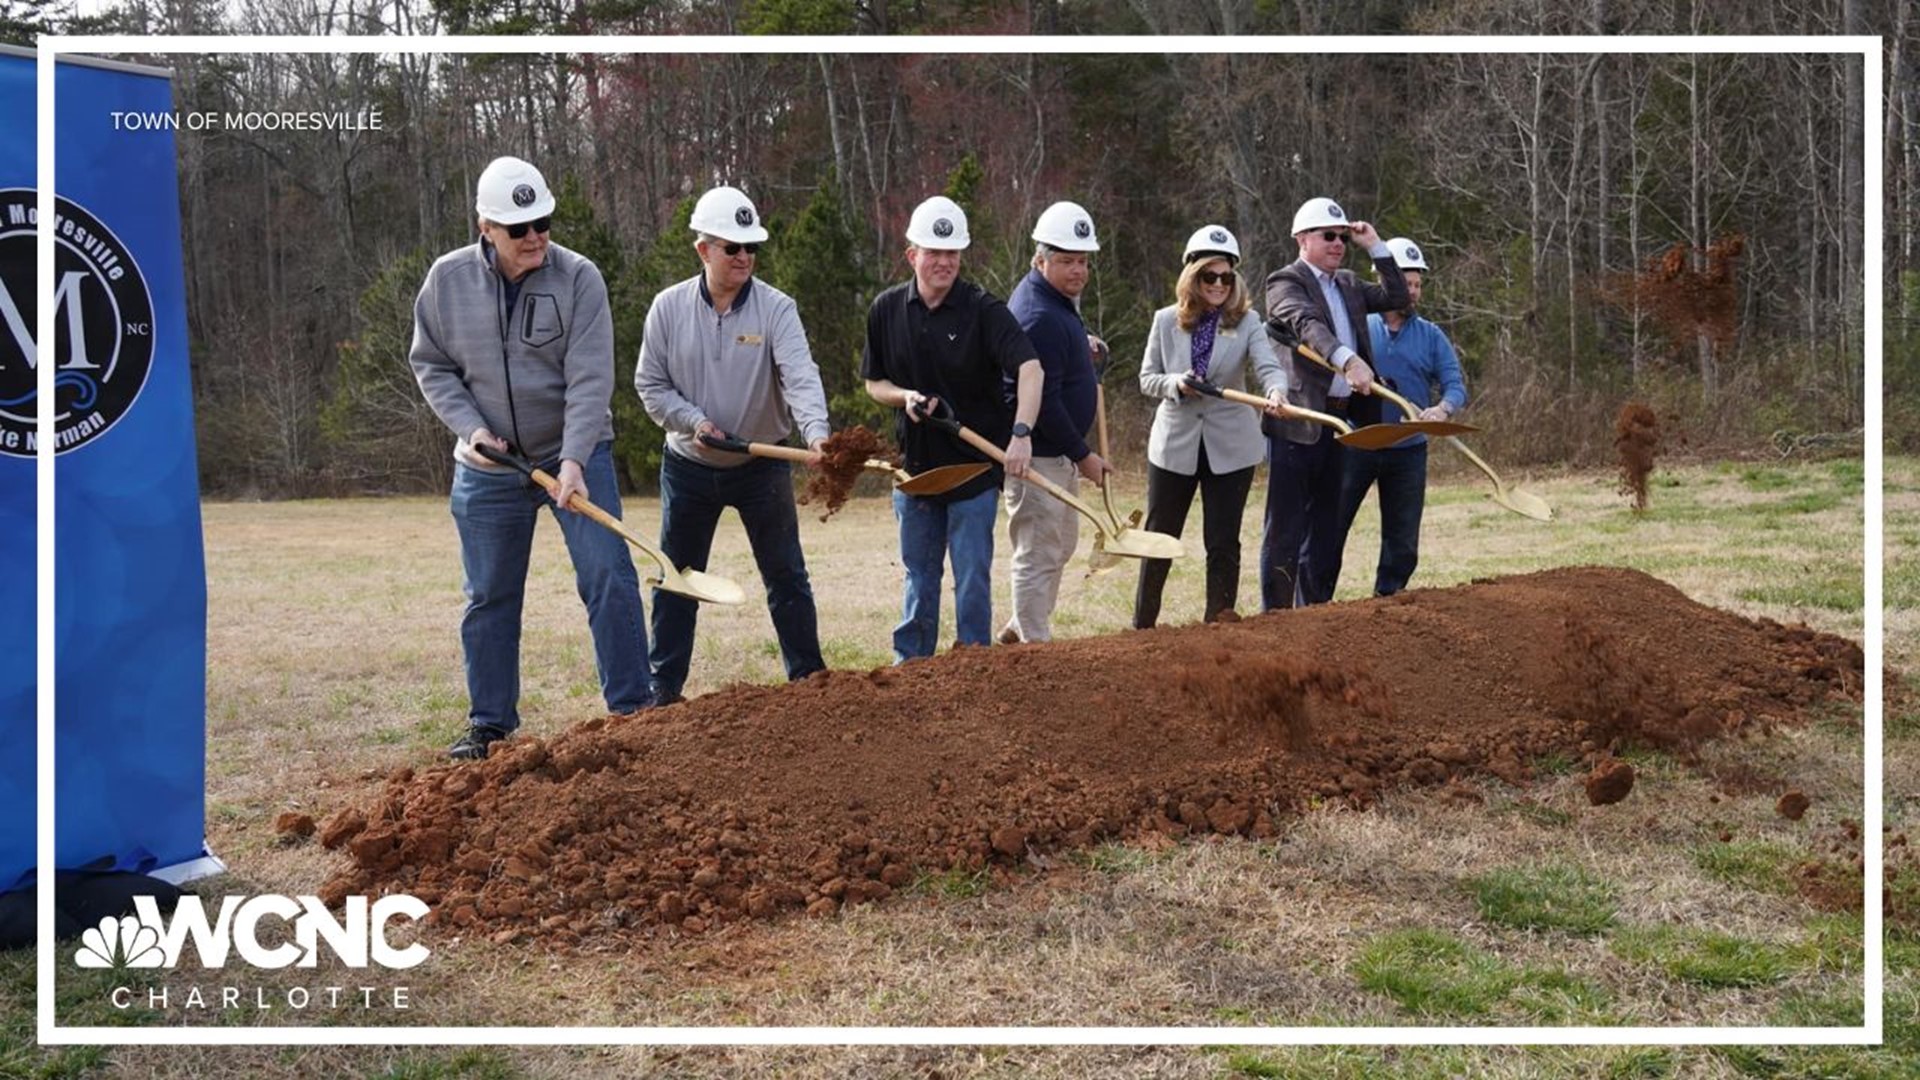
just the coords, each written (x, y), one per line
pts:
(1060, 338)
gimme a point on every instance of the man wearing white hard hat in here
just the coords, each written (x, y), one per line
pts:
(1200, 443)
(1413, 356)
(1316, 303)
(1045, 530)
(939, 342)
(513, 349)
(724, 354)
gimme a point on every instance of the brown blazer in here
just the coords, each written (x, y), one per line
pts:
(1297, 311)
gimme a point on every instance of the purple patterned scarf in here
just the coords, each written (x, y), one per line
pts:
(1203, 341)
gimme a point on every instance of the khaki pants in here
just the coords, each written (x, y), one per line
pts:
(1044, 532)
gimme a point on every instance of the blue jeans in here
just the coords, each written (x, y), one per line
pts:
(930, 532)
(691, 498)
(1300, 547)
(1401, 473)
(496, 513)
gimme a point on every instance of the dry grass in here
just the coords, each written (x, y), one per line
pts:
(333, 658)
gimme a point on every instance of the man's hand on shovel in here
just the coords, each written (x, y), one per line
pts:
(1095, 468)
(573, 481)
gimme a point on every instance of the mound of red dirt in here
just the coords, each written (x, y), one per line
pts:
(841, 789)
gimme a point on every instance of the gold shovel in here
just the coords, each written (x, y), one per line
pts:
(1133, 543)
(1524, 503)
(1381, 436)
(1520, 502)
(1102, 560)
(931, 482)
(693, 584)
(1345, 431)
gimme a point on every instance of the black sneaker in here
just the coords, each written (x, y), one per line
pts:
(473, 745)
(663, 699)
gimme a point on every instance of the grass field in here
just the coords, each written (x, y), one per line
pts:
(333, 658)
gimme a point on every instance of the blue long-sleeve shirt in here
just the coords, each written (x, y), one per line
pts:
(1415, 358)
(1067, 396)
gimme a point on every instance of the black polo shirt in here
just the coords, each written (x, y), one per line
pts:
(958, 353)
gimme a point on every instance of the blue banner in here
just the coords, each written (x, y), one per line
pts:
(129, 572)
(17, 486)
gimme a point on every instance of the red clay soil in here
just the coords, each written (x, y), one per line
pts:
(756, 801)
(1636, 437)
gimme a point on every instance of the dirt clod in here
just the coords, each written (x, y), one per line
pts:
(293, 823)
(843, 458)
(1609, 782)
(764, 802)
(1793, 805)
(1636, 437)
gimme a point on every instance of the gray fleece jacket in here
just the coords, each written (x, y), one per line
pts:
(538, 374)
(745, 370)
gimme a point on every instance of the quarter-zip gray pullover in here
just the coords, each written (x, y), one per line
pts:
(744, 370)
(535, 369)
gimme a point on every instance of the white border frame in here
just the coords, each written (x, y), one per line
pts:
(1873, 152)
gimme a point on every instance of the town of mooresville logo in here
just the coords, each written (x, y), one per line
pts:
(103, 326)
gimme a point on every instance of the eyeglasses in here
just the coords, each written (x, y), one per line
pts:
(1330, 236)
(1224, 277)
(540, 225)
(735, 249)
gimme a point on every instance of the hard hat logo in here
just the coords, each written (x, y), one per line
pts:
(1218, 236)
(1082, 229)
(523, 195)
(1413, 254)
(1333, 210)
(943, 228)
(743, 216)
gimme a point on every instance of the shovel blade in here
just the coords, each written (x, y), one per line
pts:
(699, 585)
(935, 481)
(1524, 503)
(1381, 436)
(1141, 544)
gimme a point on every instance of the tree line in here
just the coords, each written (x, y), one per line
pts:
(1679, 228)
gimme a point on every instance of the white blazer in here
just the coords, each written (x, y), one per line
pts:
(1230, 430)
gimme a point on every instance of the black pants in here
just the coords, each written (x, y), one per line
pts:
(1300, 550)
(1169, 497)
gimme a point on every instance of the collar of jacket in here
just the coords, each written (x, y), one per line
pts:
(486, 255)
(739, 298)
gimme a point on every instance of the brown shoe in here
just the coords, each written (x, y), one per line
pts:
(1009, 636)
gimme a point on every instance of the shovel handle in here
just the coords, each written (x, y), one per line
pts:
(1409, 411)
(765, 450)
(979, 442)
(1286, 408)
(546, 480)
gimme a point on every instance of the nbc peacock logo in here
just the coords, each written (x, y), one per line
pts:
(120, 944)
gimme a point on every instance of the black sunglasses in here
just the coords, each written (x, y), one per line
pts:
(1330, 236)
(735, 249)
(1208, 277)
(542, 226)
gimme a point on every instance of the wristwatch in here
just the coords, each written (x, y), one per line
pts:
(1022, 431)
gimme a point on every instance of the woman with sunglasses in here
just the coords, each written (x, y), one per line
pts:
(1201, 442)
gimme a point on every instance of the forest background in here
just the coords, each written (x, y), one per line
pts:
(1682, 229)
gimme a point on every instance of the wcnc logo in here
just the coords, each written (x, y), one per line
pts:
(148, 939)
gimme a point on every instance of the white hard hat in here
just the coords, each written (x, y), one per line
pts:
(1067, 226)
(1406, 254)
(1319, 214)
(511, 191)
(939, 224)
(727, 213)
(1213, 240)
